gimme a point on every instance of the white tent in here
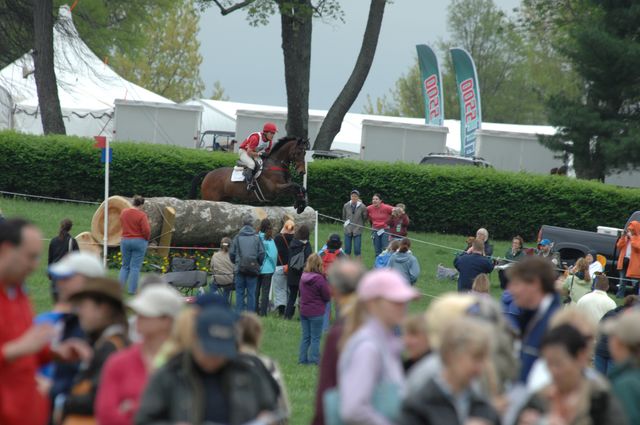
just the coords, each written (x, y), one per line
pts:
(87, 87)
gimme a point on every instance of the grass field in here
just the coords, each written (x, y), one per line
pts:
(281, 337)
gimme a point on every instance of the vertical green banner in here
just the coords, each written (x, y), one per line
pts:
(469, 95)
(431, 85)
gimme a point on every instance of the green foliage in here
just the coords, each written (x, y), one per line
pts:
(218, 92)
(439, 199)
(70, 167)
(515, 65)
(167, 59)
(601, 40)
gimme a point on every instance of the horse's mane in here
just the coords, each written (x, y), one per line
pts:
(281, 142)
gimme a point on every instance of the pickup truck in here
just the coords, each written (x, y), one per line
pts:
(573, 244)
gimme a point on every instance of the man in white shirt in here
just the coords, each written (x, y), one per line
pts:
(595, 304)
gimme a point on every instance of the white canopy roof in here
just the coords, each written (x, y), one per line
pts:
(221, 116)
(87, 87)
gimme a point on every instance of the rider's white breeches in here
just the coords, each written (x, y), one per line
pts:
(246, 159)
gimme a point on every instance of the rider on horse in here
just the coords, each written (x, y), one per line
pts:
(252, 150)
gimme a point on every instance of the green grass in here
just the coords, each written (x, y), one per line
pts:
(281, 337)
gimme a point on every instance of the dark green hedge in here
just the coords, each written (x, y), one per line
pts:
(439, 199)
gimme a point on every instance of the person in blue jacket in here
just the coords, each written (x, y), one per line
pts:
(405, 262)
(268, 267)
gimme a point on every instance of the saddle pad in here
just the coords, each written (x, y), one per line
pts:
(237, 176)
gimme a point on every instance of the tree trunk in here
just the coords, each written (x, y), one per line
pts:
(296, 18)
(47, 87)
(197, 223)
(332, 122)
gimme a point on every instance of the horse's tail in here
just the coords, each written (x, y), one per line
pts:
(197, 180)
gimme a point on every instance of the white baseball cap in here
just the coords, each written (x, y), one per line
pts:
(157, 300)
(78, 262)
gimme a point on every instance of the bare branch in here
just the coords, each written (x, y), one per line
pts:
(226, 10)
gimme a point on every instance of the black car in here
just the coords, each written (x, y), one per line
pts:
(444, 159)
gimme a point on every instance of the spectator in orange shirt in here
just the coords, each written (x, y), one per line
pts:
(135, 239)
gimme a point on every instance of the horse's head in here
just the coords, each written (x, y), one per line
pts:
(292, 149)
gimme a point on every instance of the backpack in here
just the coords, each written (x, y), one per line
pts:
(382, 260)
(328, 258)
(296, 262)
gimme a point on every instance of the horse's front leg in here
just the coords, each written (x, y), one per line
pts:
(297, 191)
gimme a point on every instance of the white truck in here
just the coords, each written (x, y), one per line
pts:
(159, 123)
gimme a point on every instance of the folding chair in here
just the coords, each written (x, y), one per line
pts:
(184, 277)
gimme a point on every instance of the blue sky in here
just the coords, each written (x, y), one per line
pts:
(248, 60)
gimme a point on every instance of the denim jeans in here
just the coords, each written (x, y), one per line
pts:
(245, 288)
(326, 319)
(224, 290)
(355, 241)
(310, 342)
(262, 294)
(602, 364)
(624, 282)
(380, 242)
(133, 250)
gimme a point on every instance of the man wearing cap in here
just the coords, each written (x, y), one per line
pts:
(23, 347)
(208, 383)
(102, 316)
(344, 278)
(254, 147)
(126, 373)
(70, 274)
(545, 250)
(624, 345)
(354, 214)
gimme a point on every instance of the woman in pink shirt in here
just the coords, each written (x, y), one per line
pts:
(125, 374)
(379, 214)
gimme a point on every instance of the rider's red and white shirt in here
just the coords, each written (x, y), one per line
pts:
(257, 143)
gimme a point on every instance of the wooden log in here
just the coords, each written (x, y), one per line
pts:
(167, 230)
(116, 205)
(87, 243)
(200, 223)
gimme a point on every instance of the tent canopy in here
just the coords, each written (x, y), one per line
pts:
(87, 87)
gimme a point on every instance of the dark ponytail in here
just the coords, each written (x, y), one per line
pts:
(405, 245)
(65, 228)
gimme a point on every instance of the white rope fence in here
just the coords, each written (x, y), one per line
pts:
(336, 219)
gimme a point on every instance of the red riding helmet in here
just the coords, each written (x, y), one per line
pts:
(269, 127)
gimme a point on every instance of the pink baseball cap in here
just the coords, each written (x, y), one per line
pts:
(386, 284)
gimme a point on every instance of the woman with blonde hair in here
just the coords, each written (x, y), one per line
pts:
(314, 295)
(465, 351)
(578, 283)
(370, 373)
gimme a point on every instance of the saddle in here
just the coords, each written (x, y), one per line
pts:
(238, 172)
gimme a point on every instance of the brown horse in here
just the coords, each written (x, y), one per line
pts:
(274, 181)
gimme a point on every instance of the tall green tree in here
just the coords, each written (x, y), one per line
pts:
(601, 125)
(513, 84)
(167, 59)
